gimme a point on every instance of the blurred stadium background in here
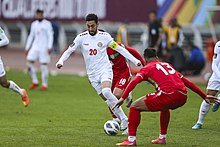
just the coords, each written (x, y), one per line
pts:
(199, 20)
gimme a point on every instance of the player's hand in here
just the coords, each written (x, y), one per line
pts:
(58, 65)
(26, 52)
(211, 99)
(119, 103)
(49, 50)
(138, 63)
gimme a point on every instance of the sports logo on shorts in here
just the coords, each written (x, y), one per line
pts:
(215, 56)
(99, 44)
(71, 45)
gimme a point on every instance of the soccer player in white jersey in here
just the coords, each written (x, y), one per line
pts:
(38, 48)
(3, 80)
(212, 88)
(94, 44)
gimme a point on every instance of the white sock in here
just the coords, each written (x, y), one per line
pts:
(204, 109)
(111, 101)
(131, 138)
(32, 73)
(13, 86)
(162, 136)
(44, 75)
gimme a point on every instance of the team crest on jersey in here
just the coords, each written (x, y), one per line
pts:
(71, 45)
(100, 44)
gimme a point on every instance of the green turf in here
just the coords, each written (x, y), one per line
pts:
(71, 114)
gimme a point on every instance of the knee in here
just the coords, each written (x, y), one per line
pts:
(4, 84)
(106, 92)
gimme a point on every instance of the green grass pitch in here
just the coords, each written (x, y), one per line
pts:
(70, 113)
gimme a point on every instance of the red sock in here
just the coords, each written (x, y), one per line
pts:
(164, 121)
(134, 121)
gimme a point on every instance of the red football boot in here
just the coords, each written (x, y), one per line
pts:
(127, 143)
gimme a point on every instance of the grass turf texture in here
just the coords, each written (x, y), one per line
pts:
(70, 113)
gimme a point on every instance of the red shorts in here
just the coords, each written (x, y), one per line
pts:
(121, 81)
(160, 101)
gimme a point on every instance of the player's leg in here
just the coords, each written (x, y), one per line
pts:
(111, 100)
(44, 76)
(44, 59)
(31, 58)
(204, 109)
(12, 85)
(134, 120)
(216, 105)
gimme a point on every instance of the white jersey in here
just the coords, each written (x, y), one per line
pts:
(216, 63)
(3, 38)
(94, 50)
(41, 35)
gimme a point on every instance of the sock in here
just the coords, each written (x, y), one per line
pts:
(164, 121)
(32, 73)
(161, 136)
(111, 101)
(44, 75)
(131, 138)
(204, 109)
(133, 121)
(13, 86)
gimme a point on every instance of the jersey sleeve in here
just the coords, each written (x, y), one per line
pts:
(3, 38)
(72, 47)
(193, 87)
(131, 86)
(135, 54)
(30, 37)
(50, 35)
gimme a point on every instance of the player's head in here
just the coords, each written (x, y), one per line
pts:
(39, 14)
(153, 16)
(150, 54)
(92, 23)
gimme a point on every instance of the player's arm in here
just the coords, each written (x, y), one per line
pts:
(67, 53)
(135, 54)
(113, 45)
(193, 87)
(128, 89)
(30, 38)
(3, 38)
(50, 37)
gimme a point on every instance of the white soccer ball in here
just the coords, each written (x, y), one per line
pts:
(111, 127)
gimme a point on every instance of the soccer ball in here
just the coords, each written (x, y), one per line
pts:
(111, 127)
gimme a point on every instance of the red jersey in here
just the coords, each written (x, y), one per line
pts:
(163, 76)
(119, 62)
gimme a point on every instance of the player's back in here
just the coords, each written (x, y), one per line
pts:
(163, 76)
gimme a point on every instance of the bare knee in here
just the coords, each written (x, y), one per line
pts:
(5, 83)
(140, 104)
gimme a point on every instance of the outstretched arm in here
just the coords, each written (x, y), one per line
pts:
(135, 54)
(124, 52)
(66, 55)
(193, 87)
(128, 89)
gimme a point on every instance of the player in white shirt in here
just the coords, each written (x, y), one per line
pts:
(3, 80)
(212, 89)
(38, 48)
(93, 44)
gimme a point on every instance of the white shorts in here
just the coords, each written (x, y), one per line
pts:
(2, 69)
(96, 80)
(36, 55)
(214, 83)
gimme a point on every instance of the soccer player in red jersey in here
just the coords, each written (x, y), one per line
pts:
(121, 72)
(170, 93)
